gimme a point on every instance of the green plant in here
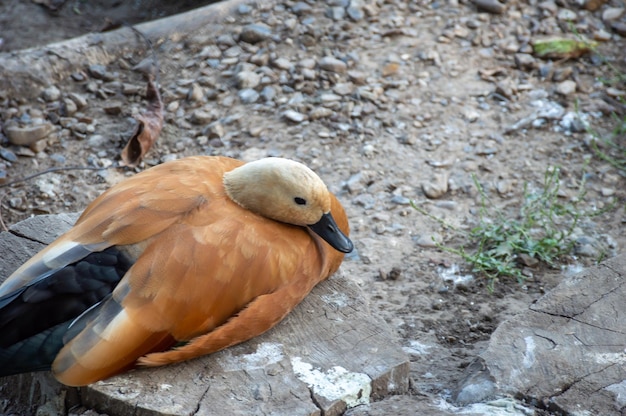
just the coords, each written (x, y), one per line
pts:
(541, 231)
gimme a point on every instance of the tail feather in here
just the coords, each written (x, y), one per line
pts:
(32, 354)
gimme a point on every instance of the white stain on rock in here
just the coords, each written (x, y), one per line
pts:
(529, 354)
(335, 384)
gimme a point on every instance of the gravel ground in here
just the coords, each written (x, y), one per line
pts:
(389, 101)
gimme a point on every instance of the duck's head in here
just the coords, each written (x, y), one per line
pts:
(289, 192)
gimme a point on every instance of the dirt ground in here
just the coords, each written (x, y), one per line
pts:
(433, 93)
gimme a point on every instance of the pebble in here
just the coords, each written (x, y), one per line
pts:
(195, 93)
(300, 8)
(215, 130)
(294, 116)
(255, 33)
(25, 136)
(612, 13)
(525, 61)
(51, 93)
(282, 63)
(248, 79)
(113, 107)
(248, 96)
(320, 112)
(437, 187)
(79, 100)
(201, 117)
(490, 6)
(567, 15)
(567, 87)
(330, 63)
(98, 71)
(69, 107)
(7, 155)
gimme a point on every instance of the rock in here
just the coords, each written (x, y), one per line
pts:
(79, 100)
(612, 13)
(195, 93)
(525, 61)
(248, 79)
(300, 8)
(201, 117)
(575, 334)
(282, 63)
(567, 87)
(255, 33)
(25, 136)
(294, 116)
(51, 93)
(248, 96)
(567, 15)
(330, 63)
(491, 6)
(7, 155)
(113, 107)
(437, 187)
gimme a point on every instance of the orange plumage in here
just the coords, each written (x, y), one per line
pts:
(218, 252)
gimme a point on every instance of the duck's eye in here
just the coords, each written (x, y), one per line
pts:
(299, 201)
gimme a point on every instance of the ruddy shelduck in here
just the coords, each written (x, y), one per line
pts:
(181, 260)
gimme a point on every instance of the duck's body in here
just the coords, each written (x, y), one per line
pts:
(184, 251)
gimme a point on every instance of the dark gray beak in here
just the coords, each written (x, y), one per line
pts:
(327, 228)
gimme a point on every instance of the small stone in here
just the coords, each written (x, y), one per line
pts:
(471, 114)
(215, 130)
(79, 100)
(343, 88)
(131, 89)
(248, 96)
(566, 88)
(51, 93)
(7, 155)
(38, 146)
(69, 107)
(255, 33)
(336, 13)
(357, 77)
(437, 187)
(25, 136)
(201, 117)
(282, 63)
(490, 6)
(195, 93)
(300, 8)
(248, 79)
(113, 107)
(294, 116)
(330, 63)
(525, 61)
(268, 93)
(607, 191)
(428, 240)
(567, 15)
(320, 112)
(173, 106)
(355, 11)
(612, 13)
(309, 74)
(98, 71)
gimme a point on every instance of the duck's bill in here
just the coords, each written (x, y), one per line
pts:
(327, 228)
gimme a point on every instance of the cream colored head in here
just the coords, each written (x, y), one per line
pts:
(279, 189)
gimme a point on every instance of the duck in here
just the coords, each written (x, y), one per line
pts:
(181, 260)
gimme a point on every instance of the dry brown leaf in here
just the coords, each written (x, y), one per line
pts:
(147, 130)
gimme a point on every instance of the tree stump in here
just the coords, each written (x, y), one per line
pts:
(329, 354)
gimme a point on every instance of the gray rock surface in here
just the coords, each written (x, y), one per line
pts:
(566, 353)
